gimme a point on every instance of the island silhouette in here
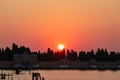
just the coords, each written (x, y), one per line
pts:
(100, 57)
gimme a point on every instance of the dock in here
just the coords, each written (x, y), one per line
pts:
(21, 76)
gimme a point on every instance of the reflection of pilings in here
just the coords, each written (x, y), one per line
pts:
(8, 76)
(4, 76)
(43, 78)
(12, 77)
(36, 76)
(18, 71)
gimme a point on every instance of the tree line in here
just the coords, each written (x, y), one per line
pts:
(50, 55)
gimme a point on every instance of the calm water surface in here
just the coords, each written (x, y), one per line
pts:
(69, 75)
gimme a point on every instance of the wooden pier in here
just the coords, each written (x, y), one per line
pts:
(6, 76)
(11, 76)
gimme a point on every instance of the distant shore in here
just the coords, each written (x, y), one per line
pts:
(79, 65)
(72, 65)
(23, 58)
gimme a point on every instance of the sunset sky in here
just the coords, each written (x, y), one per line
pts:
(78, 24)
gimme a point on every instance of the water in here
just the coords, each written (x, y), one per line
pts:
(69, 75)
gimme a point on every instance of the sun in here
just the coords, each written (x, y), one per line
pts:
(61, 46)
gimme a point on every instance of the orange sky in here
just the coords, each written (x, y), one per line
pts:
(79, 24)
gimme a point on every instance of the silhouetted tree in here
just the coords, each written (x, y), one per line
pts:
(57, 56)
(82, 56)
(14, 48)
(90, 55)
(6, 55)
(28, 50)
(22, 50)
(7, 50)
(62, 54)
(113, 56)
(72, 56)
(50, 55)
(3, 50)
(101, 55)
(0, 51)
(68, 55)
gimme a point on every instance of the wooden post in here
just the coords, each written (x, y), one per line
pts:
(36, 76)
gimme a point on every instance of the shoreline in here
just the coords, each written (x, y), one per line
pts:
(69, 65)
(63, 69)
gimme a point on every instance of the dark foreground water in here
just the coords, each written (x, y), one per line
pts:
(68, 75)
